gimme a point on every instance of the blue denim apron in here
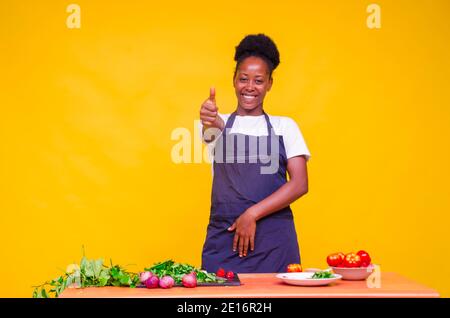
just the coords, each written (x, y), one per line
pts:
(238, 185)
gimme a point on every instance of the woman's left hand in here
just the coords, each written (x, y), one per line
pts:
(245, 227)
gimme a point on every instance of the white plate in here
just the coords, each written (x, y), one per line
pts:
(305, 279)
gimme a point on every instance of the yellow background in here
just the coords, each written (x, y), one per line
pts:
(86, 119)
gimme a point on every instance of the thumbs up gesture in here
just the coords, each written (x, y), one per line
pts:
(209, 112)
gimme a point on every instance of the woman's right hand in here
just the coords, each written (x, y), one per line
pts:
(209, 114)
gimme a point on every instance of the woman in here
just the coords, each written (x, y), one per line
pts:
(251, 227)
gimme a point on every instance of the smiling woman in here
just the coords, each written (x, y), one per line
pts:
(256, 58)
(251, 226)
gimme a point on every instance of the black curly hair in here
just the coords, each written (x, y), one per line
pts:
(259, 45)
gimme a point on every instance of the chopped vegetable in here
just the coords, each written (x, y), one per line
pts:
(178, 270)
(322, 274)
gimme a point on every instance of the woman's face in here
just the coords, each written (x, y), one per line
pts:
(251, 83)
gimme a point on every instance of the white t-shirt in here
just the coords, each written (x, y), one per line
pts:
(294, 142)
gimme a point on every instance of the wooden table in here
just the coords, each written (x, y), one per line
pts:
(267, 285)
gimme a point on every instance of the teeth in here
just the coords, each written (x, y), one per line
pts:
(248, 96)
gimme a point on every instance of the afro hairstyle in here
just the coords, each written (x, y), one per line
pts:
(259, 45)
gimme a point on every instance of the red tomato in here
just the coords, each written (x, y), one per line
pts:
(335, 259)
(292, 268)
(229, 275)
(365, 258)
(220, 272)
(352, 260)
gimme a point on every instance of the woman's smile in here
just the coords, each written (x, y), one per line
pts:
(248, 98)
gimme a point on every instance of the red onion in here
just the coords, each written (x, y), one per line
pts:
(189, 280)
(166, 282)
(152, 282)
(144, 276)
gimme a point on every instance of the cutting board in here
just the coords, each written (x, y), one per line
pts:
(226, 282)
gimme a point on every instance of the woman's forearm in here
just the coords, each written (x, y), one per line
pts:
(285, 195)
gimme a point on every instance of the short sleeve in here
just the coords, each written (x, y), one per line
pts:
(294, 142)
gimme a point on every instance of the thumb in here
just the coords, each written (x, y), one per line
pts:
(212, 94)
(232, 228)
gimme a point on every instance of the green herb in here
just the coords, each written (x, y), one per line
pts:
(178, 270)
(90, 273)
(93, 273)
(322, 274)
